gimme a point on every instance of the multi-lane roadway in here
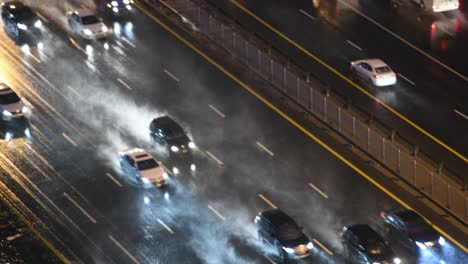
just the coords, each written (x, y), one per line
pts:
(425, 50)
(89, 102)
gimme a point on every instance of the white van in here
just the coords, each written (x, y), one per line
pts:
(438, 5)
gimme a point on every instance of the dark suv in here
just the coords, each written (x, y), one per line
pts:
(19, 20)
(410, 230)
(168, 134)
(281, 232)
(364, 245)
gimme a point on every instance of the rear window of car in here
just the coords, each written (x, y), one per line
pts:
(383, 69)
(9, 98)
(147, 164)
(89, 20)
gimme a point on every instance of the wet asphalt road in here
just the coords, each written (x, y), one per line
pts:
(427, 51)
(87, 107)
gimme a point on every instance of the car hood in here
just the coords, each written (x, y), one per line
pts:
(94, 27)
(428, 236)
(153, 174)
(13, 107)
(178, 141)
(303, 240)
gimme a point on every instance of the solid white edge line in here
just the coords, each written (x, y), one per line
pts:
(406, 79)
(323, 247)
(215, 158)
(406, 42)
(165, 226)
(113, 179)
(267, 201)
(265, 148)
(128, 42)
(216, 212)
(34, 57)
(27, 103)
(354, 45)
(269, 259)
(124, 84)
(42, 17)
(124, 250)
(318, 190)
(461, 114)
(73, 90)
(307, 14)
(217, 111)
(171, 75)
(119, 129)
(69, 139)
(83, 211)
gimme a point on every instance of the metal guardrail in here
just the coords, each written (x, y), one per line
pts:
(388, 148)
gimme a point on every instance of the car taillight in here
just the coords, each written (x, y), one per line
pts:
(394, 74)
(382, 214)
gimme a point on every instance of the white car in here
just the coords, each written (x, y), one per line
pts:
(11, 105)
(374, 71)
(140, 164)
(87, 25)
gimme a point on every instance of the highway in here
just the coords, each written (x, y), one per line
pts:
(89, 102)
(431, 89)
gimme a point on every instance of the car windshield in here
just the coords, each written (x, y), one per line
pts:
(173, 133)
(9, 98)
(289, 232)
(417, 227)
(89, 20)
(375, 247)
(24, 13)
(147, 164)
(383, 69)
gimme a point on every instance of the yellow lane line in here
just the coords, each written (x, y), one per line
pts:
(395, 112)
(289, 119)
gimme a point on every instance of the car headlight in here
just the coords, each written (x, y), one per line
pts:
(310, 245)
(7, 113)
(115, 9)
(129, 7)
(145, 180)
(288, 250)
(38, 23)
(193, 167)
(126, 2)
(87, 32)
(174, 148)
(25, 109)
(165, 176)
(104, 29)
(191, 145)
(175, 170)
(441, 241)
(420, 245)
(114, 3)
(22, 26)
(396, 260)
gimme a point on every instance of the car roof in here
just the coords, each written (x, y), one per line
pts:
(84, 12)
(364, 232)
(410, 216)
(137, 154)
(375, 63)
(277, 217)
(167, 122)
